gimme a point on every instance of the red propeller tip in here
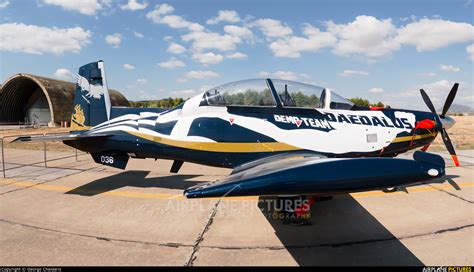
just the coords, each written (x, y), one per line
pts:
(455, 160)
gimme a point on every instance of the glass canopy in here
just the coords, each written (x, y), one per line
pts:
(257, 92)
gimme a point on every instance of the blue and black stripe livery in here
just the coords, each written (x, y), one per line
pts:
(280, 137)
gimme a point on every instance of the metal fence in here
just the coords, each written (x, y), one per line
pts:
(6, 140)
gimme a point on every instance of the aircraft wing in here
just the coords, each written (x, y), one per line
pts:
(62, 137)
(306, 175)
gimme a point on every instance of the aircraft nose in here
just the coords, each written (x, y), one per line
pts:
(447, 122)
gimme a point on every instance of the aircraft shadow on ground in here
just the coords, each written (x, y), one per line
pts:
(133, 179)
(447, 178)
(342, 232)
(444, 179)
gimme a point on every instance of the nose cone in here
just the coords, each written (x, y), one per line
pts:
(447, 122)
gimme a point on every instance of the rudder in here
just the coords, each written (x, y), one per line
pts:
(91, 101)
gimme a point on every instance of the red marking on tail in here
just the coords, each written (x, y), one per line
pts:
(231, 120)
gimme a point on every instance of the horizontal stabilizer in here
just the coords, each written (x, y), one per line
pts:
(62, 137)
(316, 175)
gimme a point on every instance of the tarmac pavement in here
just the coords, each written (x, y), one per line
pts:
(76, 212)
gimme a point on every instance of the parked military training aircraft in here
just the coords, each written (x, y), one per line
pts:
(279, 137)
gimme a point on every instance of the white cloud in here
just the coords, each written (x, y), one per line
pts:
(172, 64)
(430, 34)
(428, 74)
(114, 39)
(273, 28)
(351, 73)
(34, 39)
(230, 16)
(175, 21)
(186, 93)
(142, 81)
(437, 91)
(128, 66)
(264, 74)
(205, 87)
(175, 48)
(236, 55)
(134, 5)
(146, 95)
(208, 58)
(4, 4)
(291, 47)
(434, 89)
(201, 74)
(366, 36)
(200, 38)
(138, 34)
(64, 74)
(87, 7)
(160, 15)
(160, 10)
(470, 51)
(238, 31)
(449, 68)
(287, 75)
(376, 90)
(210, 40)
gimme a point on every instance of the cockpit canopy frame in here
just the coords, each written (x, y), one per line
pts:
(274, 93)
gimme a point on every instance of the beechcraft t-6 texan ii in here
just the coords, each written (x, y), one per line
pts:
(280, 137)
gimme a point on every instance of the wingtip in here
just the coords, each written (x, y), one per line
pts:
(21, 139)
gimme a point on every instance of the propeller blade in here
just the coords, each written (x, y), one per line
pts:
(428, 102)
(444, 134)
(449, 146)
(449, 99)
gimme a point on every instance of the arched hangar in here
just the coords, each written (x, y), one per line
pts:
(26, 98)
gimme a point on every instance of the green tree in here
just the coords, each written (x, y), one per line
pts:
(162, 103)
(365, 103)
(378, 104)
(360, 101)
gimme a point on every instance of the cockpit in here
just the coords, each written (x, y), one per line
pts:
(273, 93)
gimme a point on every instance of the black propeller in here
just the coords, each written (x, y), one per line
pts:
(447, 104)
(449, 99)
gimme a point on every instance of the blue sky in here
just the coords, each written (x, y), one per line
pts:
(380, 50)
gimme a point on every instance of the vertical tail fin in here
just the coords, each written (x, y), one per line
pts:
(91, 100)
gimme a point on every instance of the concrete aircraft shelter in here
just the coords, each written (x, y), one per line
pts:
(26, 98)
